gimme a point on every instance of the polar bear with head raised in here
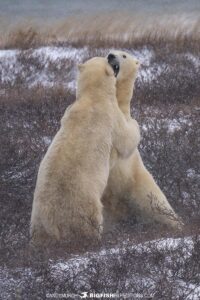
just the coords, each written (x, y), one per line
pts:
(131, 189)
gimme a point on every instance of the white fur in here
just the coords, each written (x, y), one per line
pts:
(131, 189)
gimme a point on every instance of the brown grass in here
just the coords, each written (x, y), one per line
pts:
(107, 29)
(23, 39)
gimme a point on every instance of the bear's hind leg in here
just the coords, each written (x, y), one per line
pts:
(149, 200)
(39, 237)
(85, 222)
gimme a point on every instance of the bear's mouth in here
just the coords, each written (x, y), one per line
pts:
(114, 63)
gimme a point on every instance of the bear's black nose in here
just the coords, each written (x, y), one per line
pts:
(111, 57)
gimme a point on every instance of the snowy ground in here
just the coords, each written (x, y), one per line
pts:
(57, 65)
(13, 282)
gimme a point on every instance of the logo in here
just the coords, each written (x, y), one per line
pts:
(84, 295)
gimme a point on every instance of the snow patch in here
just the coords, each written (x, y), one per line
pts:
(172, 125)
(15, 64)
(11, 54)
(144, 56)
(59, 53)
(47, 140)
(74, 268)
(168, 244)
(195, 60)
(51, 65)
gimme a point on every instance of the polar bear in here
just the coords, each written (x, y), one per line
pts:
(74, 172)
(131, 189)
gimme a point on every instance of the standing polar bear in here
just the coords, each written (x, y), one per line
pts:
(74, 172)
(131, 189)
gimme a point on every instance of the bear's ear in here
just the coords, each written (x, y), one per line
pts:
(81, 67)
(109, 71)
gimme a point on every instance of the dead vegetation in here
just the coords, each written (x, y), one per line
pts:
(113, 29)
(23, 39)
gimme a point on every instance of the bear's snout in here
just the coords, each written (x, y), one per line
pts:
(114, 63)
(111, 57)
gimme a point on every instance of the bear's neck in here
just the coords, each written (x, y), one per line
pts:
(124, 95)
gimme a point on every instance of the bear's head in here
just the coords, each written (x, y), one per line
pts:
(126, 63)
(95, 75)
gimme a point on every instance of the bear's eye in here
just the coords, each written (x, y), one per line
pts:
(124, 56)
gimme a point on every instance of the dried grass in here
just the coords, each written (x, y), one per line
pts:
(107, 29)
